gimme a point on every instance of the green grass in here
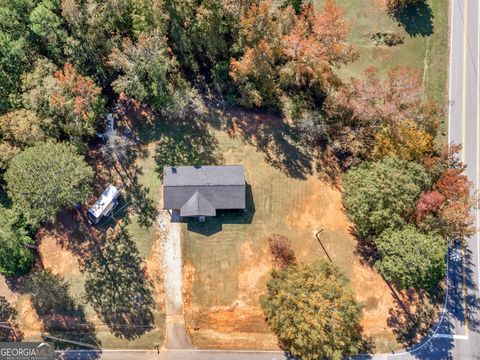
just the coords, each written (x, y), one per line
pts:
(149, 179)
(418, 52)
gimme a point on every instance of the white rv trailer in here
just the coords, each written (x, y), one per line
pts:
(104, 205)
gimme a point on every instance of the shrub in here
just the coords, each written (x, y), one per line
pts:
(280, 247)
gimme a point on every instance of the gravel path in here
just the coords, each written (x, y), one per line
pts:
(176, 336)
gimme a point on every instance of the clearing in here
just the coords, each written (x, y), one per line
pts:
(227, 260)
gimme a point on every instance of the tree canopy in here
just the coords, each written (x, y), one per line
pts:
(411, 259)
(313, 312)
(15, 256)
(286, 53)
(381, 195)
(46, 178)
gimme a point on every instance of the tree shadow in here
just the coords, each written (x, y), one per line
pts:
(268, 133)
(9, 331)
(470, 293)
(117, 286)
(365, 249)
(72, 231)
(214, 225)
(416, 19)
(186, 143)
(64, 322)
(412, 317)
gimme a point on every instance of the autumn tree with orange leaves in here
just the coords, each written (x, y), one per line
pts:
(67, 103)
(76, 101)
(289, 59)
(447, 207)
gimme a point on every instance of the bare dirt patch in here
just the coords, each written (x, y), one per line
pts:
(55, 257)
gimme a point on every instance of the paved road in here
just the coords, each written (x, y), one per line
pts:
(464, 120)
(457, 336)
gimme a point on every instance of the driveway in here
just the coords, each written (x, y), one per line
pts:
(176, 335)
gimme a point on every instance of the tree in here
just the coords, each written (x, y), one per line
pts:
(407, 141)
(18, 129)
(381, 195)
(148, 68)
(455, 213)
(371, 99)
(77, 102)
(428, 203)
(289, 55)
(201, 33)
(313, 312)
(47, 27)
(68, 103)
(15, 256)
(297, 5)
(411, 259)
(15, 51)
(45, 178)
(117, 148)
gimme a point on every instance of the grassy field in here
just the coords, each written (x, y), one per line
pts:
(63, 249)
(425, 35)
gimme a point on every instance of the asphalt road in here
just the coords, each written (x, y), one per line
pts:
(457, 335)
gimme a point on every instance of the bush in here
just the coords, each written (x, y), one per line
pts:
(411, 259)
(386, 38)
(397, 5)
(281, 249)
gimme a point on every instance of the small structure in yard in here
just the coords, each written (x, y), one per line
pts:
(104, 205)
(199, 191)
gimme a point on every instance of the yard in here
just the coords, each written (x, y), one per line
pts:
(63, 250)
(227, 260)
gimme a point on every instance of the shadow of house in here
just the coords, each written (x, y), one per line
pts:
(417, 19)
(214, 225)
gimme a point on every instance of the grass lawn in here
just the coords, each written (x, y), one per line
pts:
(63, 248)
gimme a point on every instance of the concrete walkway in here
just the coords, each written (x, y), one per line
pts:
(176, 335)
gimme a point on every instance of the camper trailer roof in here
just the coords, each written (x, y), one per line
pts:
(109, 195)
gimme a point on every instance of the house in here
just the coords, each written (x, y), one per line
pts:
(104, 204)
(199, 191)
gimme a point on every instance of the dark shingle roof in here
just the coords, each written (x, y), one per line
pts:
(203, 175)
(200, 191)
(197, 205)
